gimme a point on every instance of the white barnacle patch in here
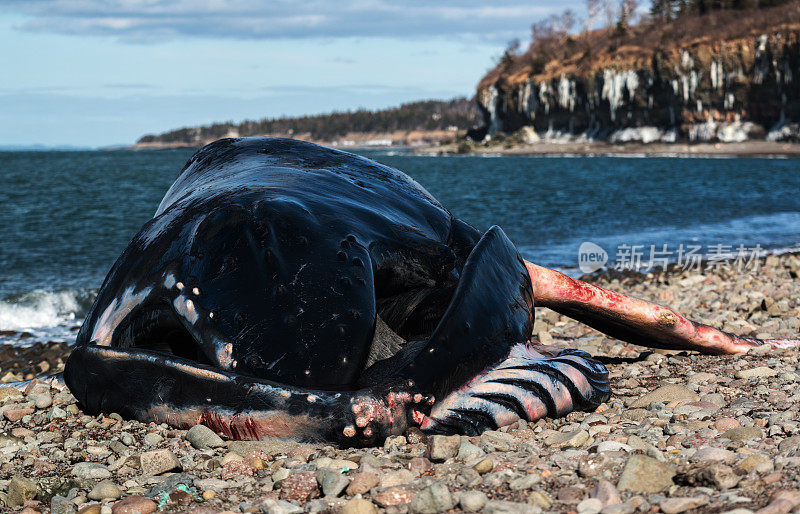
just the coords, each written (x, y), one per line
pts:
(185, 308)
(211, 315)
(179, 285)
(114, 314)
(224, 354)
(196, 291)
(169, 281)
(311, 398)
(285, 394)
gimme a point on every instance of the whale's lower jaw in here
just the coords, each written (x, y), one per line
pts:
(158, 387)
(155, 387)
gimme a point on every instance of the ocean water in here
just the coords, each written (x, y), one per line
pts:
(66, 216)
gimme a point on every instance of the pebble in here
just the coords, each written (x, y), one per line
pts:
(665, 394)
(607, 493)
(20, 490)
(393, 496)
(443, 447)
(757, 372)
(299, 486)
(590, 506)
(203, 438)
(742, 434)
(332, 482)
(484, 466)
(133, 505)
(573, 439)
(675, 505)
(359, 506)
(645, 474)
(524, 482)
(472, 501)
(393, 478)
(362, 482)
(105, 489)
(468, 451)
(156, 462)
(90, 470)
(507, 507)
(713, 454)
(152, 439)
(433, 499)
(613, 446)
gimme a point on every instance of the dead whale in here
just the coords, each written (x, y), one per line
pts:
(285, 289)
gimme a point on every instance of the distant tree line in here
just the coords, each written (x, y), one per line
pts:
(460, 113)
(673, 9)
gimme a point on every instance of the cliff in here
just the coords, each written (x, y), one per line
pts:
(722, 77)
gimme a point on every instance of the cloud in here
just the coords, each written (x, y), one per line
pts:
(146, 21)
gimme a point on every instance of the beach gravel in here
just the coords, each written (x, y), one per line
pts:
(682, 432)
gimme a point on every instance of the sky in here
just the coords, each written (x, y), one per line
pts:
(95, 73)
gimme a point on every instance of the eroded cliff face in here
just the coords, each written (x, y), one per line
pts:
(743, 88)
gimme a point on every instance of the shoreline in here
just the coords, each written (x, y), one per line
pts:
(755, 148)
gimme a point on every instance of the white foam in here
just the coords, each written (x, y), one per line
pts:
(41, 309)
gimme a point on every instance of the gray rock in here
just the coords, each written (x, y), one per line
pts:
(494, 440)
(645, 474)
(279, 507)
(331, 482)
(472, 501)
(434, 499)
(613, 446)
(170, 483)
(665, 394)
(90, 470)
(607, 493)
(104, 489)
(61, 505)
(757, 372)
(742, 434)
(712, 454)
(156, 462)
(590, 506)
(573, 439)
(443, 447)
(20, 490)
(620, 508)
(524, 482)
(152, 439)
(468, 451)
(42, 400)
(676, 505)
(203, 438)
(505, 507)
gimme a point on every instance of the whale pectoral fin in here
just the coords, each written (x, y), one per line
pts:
(532, 383)
(633, 320)
(157, 387)
(489, 312)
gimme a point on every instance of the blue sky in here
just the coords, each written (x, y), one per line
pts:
(96, 73)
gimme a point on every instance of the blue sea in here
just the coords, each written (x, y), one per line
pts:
(66, 215)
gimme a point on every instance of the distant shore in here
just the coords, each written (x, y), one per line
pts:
(755, 148)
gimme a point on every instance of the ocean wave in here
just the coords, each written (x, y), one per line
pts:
(40, 309)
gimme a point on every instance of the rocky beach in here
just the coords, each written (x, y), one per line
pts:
(682, 432)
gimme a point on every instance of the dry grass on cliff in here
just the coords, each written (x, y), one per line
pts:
(587, 52)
